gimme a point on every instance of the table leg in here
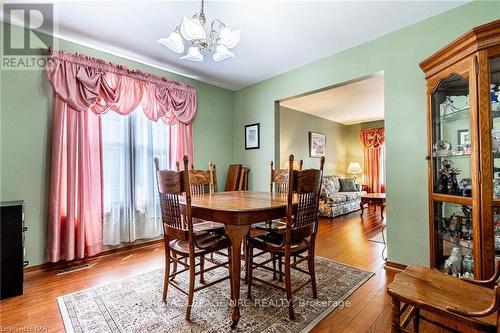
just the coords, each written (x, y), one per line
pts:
(396, 315)
(236, 234)
(361, 206)
(382, 206)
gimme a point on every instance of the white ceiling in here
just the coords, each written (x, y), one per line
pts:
(277, 36)
(353, 103)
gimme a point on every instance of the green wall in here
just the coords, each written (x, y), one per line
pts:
(294, 139)
(342, 141)
(25, 137)
(396, 54)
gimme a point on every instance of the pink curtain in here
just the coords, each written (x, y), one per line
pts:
(85, 88)
(373, 140)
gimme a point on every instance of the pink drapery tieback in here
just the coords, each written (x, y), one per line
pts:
(84, 88)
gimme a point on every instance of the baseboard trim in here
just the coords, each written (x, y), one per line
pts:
(63, 264)
(394, 266)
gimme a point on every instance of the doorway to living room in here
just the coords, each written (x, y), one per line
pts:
(344, 123)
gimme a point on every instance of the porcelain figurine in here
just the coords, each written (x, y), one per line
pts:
(496, 187)
(497, 243)
(494, 93)
(448, 183)
(442, 148)
(468, 264)
(453, 264)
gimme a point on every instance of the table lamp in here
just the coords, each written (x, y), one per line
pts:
(295, 165)
(354, 168)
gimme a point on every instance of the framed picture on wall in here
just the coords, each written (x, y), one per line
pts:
(252, 136)
(317, 144)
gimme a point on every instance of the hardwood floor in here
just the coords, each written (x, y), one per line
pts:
(344, 239)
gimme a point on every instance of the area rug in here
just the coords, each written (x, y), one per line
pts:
(135, 305)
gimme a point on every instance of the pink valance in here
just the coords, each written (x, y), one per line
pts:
(88, 83)
(372, 137)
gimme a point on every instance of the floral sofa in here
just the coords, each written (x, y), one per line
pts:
(334, 201)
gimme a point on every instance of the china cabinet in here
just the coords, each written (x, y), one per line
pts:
(463, 98)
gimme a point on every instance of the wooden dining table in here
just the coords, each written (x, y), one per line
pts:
(237, 211)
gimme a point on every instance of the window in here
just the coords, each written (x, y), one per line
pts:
(131, 201)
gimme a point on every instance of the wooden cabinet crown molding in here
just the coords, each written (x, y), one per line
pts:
(472, 41)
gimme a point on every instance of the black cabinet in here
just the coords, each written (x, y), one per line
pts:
(12, 248)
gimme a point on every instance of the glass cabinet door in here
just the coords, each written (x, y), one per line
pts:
(495, 121)
(494, 66)
(451, 143)
(454, 249)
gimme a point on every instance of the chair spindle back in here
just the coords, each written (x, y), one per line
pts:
(279, 178)
(177, 222)
(306, 185)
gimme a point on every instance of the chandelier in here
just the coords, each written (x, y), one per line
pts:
(219, 40)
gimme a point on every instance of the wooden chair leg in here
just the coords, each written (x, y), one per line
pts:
(416, 321)
(247, 242)
(167, 273)
(230, 270)
(395, 315)
(312, 272)
(273, 257)
(174, 270)
(280, 268)
(202, 269)
(288, 285)
(192, 278)
(250, 270)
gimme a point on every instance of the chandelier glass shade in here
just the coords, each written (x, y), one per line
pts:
(192, 32)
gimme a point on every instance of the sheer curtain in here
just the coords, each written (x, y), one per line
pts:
(131, 201)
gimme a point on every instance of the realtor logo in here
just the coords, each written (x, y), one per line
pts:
(27, 32)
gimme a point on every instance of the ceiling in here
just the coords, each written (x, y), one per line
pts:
(277, 36)
(353, 103)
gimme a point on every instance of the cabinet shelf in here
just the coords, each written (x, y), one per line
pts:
(453, 116)
(454, 155)
(462, 243)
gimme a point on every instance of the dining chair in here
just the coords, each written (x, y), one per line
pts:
(279, 184)
(180, 240)
(298, 238)
(203, 182)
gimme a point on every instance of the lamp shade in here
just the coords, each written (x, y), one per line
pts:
(229, 38)
(193, 54)
(192, 29)
(354, 167)
(222, 53)
(173, 42)
(295, 165)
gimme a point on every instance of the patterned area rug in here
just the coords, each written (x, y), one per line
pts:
(135, 305)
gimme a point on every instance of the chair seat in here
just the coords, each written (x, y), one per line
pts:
(273, 243)
(432, 290)
(208, 226)
(276, 226)
(204, 243)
